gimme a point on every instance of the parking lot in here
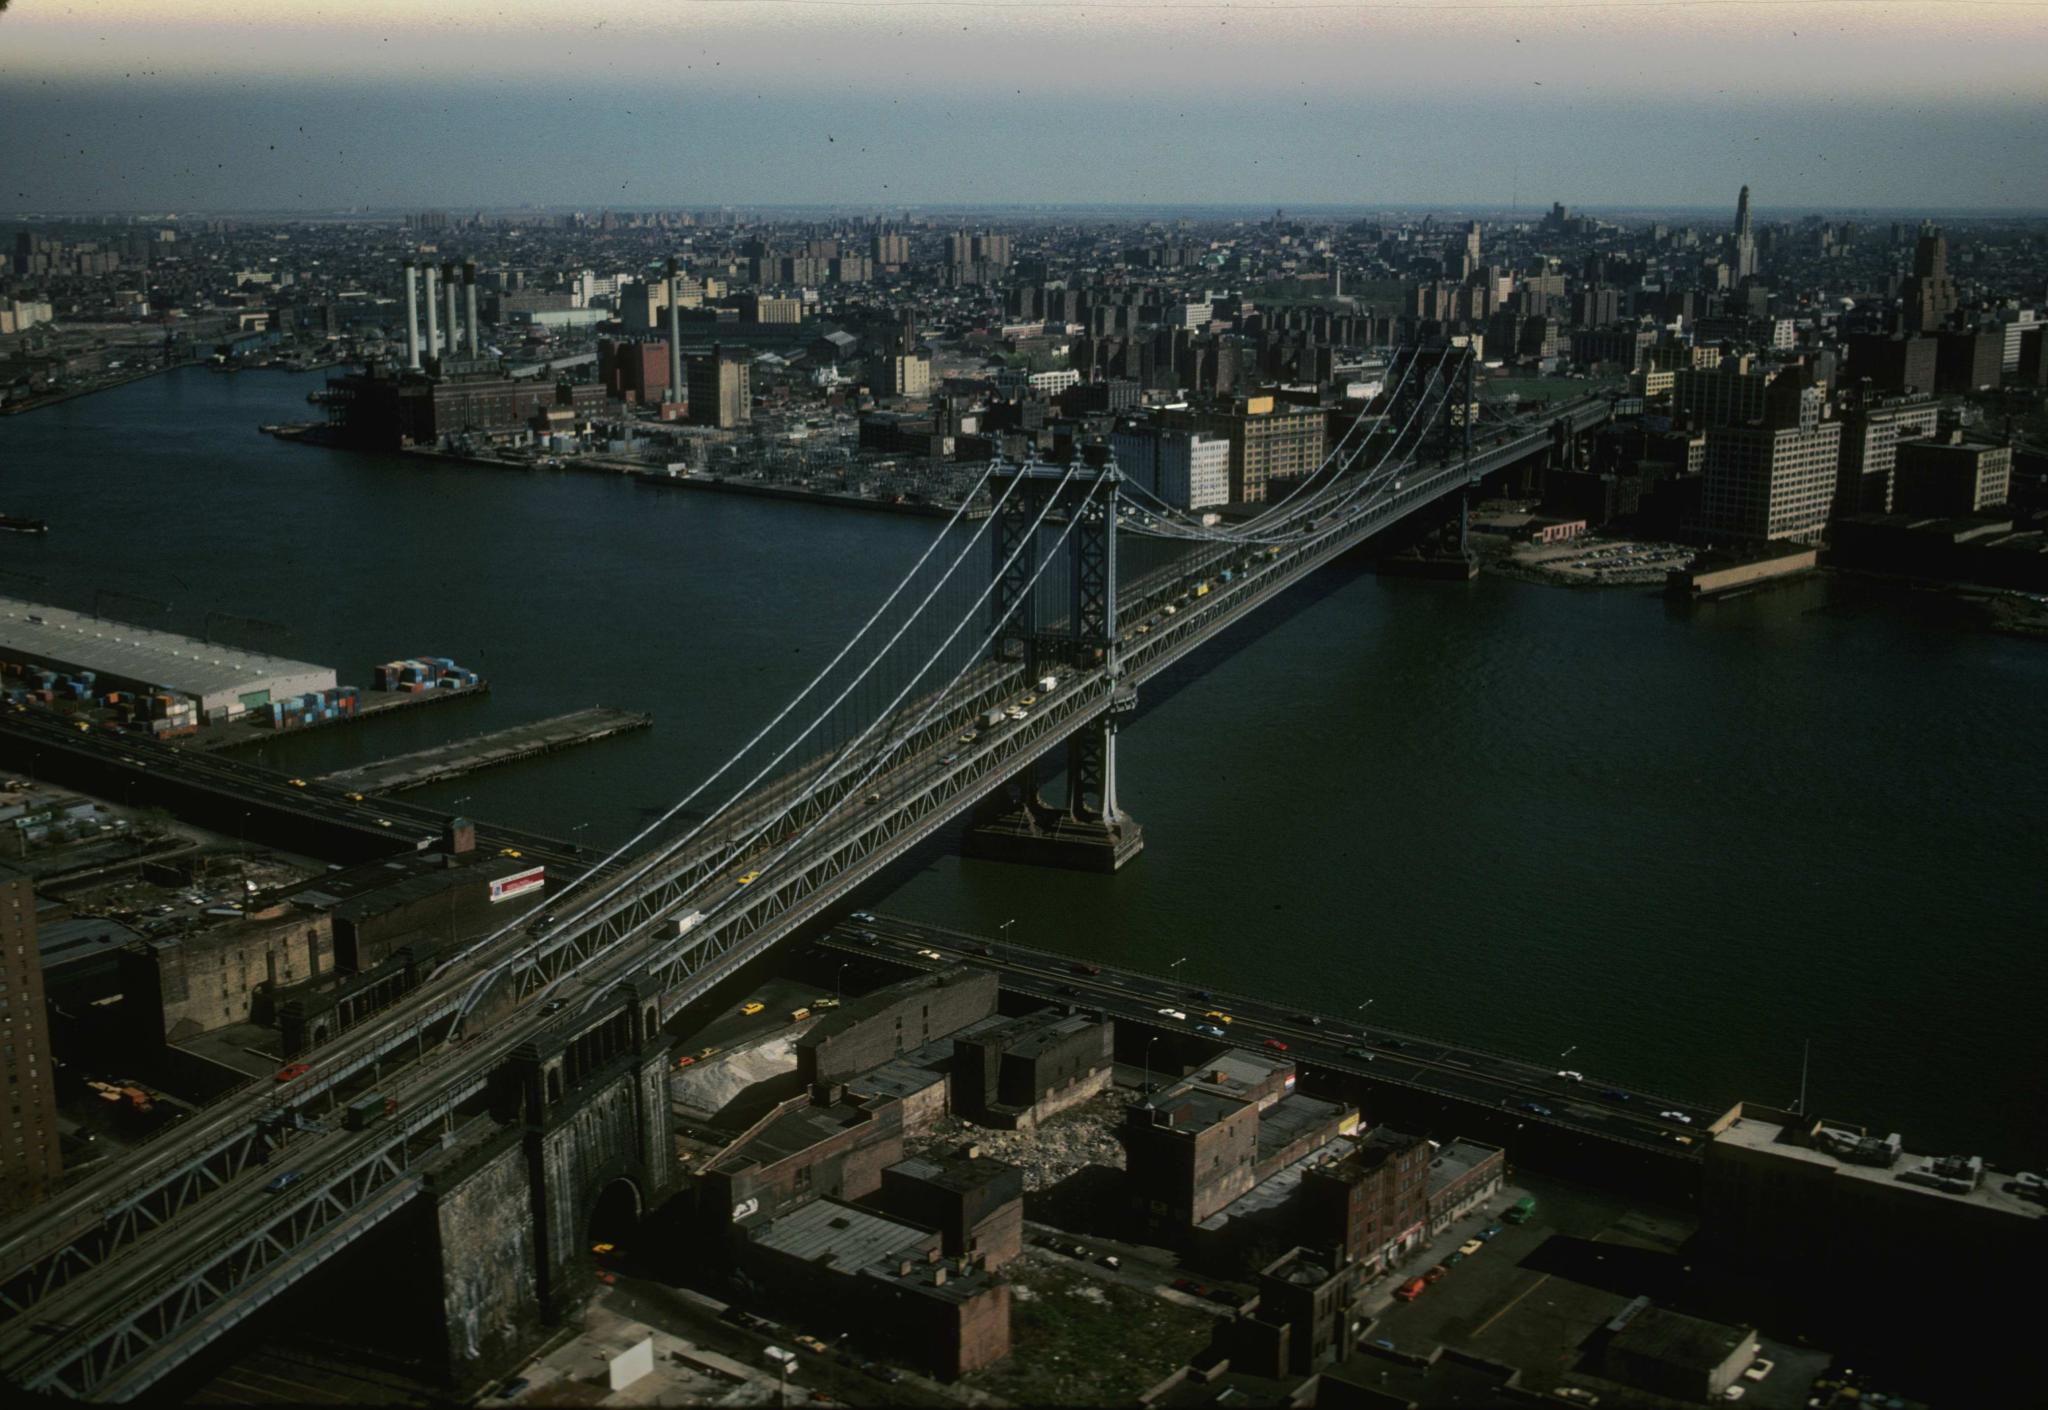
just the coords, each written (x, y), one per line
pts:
(1602, 561)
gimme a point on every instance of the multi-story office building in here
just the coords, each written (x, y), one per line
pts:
(1733, 393)
(1930, 293)
(29, 1158)
(1774, 480)
(1268, 441)
(1186, 469)
(1871, 433)
(901, 374)
(720, 389)
(1951, 477)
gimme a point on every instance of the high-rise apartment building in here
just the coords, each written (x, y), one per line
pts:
(29, 1158)
(720, 389)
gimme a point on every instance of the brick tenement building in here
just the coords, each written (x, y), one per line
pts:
(1193, 1148)
(29, 1157)
(866, 1032)
(1018, 1073)
(1373, 1202)
(798, 1153)
(885, 1279)
(977, 1205)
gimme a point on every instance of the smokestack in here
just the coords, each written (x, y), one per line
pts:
(412, 316)
(450, 273)
(469, 295)
(433, 316)
(675, 334)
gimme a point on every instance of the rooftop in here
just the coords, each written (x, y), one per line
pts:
(1755, 1133)
(139, 654)
(1676, 1339)
(840, 1236)
(792, 1133)
(1456, 1159)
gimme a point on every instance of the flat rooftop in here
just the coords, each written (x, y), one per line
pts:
(1456, 1159)
(843, 1237)
(140, 654)
(1756, 1134)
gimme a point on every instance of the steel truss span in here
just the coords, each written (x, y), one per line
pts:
(108, 1287)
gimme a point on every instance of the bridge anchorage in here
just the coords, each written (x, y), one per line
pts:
(1068, 623)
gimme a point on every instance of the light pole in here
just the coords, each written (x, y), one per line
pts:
(839, 982)
(1173, 970)
(1003, 930)
(573, 831)
(1148, 1063)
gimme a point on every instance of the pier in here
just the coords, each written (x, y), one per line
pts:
(485, 751)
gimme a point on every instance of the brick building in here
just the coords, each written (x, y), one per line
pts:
(799, 1152)
(977, 1205)
(883, 1279)
(866, 1032)
(1017, 1073)
(1372, 1203)
(1462, 1176)
(180, 986)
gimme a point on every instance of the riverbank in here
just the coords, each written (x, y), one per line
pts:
(48, 399)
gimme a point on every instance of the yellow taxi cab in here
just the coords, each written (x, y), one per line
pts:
(748, 877)
(296, 782)
(357, 798)
(1215, 1017)
(752, 1007)
(510, 852)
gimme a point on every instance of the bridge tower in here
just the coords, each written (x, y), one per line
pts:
(1089, 831)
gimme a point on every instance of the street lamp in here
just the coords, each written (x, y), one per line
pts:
(1173, 970)
(1003, 930)
(839, 981)
(1148, 1063)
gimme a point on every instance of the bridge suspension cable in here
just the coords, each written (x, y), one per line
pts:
(880, 756)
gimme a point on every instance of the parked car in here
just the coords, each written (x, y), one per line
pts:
(1436, 1273)
(512, 1387)
(1759, 1368)
(1471, 1246)
(752, 1007)
(1490, 1232)
(1411, 1289)
(1191, 1287)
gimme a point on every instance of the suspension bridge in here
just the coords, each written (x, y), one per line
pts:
(1014, 642)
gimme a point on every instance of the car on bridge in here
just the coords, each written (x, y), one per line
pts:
(1174, 1014)
(282, 1182)
(748, 879)
(1533, 1108)
(1680, 1117)
(293, 1071)
(930, 955)
(1077, 967)
(1215, 1017)
(864, 917)
(1210, 1030)
(296, 782)
(1276, 1045)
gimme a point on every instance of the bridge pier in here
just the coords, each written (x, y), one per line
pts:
(1090, 831)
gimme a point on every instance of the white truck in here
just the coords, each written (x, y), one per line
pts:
(1048, 684)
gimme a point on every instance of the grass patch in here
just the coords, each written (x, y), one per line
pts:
(1080, 1340)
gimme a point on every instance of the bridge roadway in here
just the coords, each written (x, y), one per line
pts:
(1325, 1041)
(108, 1288)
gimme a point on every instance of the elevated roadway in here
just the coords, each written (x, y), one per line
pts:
(114, 1282)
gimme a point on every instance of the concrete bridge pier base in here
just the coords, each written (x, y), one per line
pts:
(1090, 833)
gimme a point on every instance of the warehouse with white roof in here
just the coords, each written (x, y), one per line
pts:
(222, 680)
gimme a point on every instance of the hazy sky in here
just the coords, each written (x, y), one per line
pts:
(127, 104)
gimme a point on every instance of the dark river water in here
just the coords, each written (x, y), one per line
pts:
(1673, 844)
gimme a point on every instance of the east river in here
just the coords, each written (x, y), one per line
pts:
(1672, 843)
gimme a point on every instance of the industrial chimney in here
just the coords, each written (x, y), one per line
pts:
(450, 274)
(469, 295)
(433, 316)
(412, 316)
